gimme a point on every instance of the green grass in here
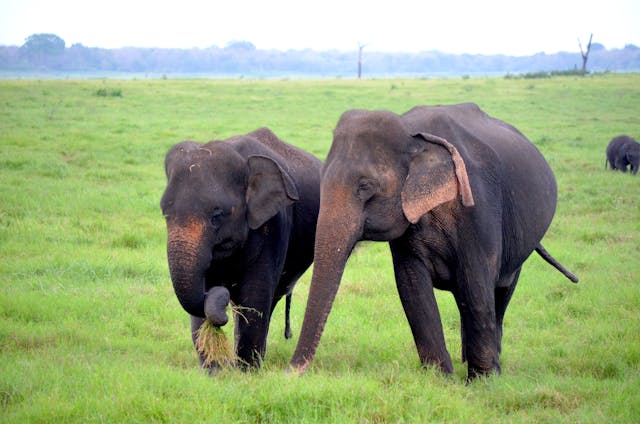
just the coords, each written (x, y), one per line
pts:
(90, 330)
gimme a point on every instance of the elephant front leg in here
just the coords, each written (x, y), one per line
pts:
(415, 288)
(196, 322)
(252, 323)
(621, 164)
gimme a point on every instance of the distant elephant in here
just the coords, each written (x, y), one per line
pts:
(462, 198)
(240, 214)
(623, 151)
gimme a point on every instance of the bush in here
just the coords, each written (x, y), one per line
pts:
(114, 92)
(548, 74)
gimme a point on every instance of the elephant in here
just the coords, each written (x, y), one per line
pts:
(241, 216)
(623, 151)
(462, 199)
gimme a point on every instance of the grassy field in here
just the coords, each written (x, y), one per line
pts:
(90, 330)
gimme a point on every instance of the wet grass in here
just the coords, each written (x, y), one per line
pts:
(90, 329)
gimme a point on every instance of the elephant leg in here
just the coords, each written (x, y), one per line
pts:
(287, 311)
(196, 322)
(621, 163)
(415, 288)
(503, 293)
(287, 321)
(252, 322)
(476, 302)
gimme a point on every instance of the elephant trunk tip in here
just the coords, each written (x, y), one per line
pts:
(215, 305)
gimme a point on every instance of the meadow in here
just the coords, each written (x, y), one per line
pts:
(91, 331)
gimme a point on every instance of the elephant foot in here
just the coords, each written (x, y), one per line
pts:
(444, 364)
(210, 369)
(475, 372)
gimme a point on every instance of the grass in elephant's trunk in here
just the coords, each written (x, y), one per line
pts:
(212, 342)
(213, 345)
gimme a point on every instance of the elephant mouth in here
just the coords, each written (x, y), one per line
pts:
(224, 249)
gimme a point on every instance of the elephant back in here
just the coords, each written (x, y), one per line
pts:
(304, 168)
(298, 160)
(298, 163)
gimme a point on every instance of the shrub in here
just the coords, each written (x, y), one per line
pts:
(114, 92)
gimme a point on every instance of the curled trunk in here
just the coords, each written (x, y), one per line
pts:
(215, 306)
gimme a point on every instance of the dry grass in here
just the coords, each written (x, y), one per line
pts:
(213, 345)
(212, 342)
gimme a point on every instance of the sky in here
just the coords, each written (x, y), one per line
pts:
(509, 27)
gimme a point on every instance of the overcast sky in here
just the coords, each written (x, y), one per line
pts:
(475, 26)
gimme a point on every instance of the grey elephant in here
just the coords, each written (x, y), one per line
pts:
(241, 216)
(623, 151)
(462, 198)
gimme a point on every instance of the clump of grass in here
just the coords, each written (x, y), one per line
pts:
(212, 342)
(213, 345)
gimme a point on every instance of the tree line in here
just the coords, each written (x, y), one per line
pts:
(48, 53)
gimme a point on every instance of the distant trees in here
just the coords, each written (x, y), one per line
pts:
(240, 45)
(47, 53)
(43, 47)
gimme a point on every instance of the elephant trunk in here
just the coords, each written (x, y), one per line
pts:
(215, 305)
(335, 239)
(188, 262)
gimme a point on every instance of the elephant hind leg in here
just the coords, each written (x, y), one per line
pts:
(503, 293)
(287, 314)
(287, 321)
(479, 329)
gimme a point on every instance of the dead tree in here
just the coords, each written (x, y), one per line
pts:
(360, 47)
(585, 55)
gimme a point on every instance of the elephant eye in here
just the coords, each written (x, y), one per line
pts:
(366, 188)
(216, 216)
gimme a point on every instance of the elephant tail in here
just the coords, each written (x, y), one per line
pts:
(557, 265)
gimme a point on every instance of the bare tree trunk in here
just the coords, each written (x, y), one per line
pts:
(585, 55)
(360, 47)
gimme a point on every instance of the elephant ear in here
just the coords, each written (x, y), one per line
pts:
(270, 188)
(436, 175)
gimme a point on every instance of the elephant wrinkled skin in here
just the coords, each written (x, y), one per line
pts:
(241, 215)
(462, 198)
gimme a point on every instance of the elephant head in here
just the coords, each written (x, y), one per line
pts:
(632, 154)
(213, 199)
(378, 178)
